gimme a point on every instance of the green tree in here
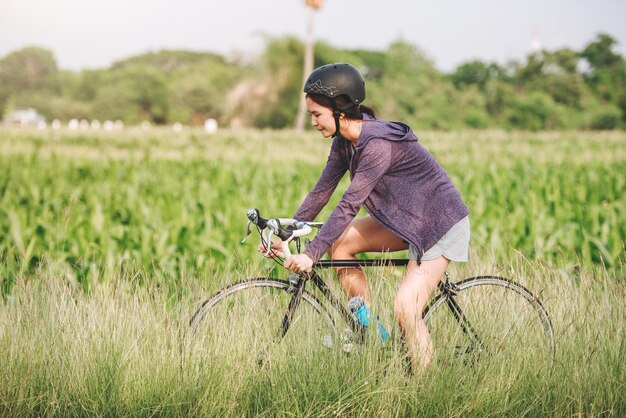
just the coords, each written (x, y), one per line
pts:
(133, 94)
(282, 75)
(477, 73)
(26, 70)
(87, 84)
(607, 71)
(534, 112)
(555, 73)
(200, 90)
(408, 77)
(498, 97)
(5, 102)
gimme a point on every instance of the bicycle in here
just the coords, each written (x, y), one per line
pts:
(486, 315)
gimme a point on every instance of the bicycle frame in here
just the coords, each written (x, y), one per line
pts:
(445, 286)
(448, 291)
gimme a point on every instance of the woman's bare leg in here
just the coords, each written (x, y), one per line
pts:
(414, 292)
(363, 235)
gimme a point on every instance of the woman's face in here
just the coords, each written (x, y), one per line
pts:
(321, 117)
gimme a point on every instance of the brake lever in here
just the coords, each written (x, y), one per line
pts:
(247, 232)
(273, 225)
(269, 243)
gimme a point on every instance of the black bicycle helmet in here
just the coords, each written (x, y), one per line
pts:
(333, 80)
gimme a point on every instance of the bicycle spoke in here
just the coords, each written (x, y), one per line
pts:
(246, 324)
(494, 319)
(462, 320)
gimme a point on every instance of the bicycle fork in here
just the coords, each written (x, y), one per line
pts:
(296, 286)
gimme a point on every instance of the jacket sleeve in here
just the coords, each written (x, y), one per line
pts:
(336, 167)
(373, 163)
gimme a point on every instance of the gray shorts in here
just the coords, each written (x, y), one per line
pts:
(454, 245)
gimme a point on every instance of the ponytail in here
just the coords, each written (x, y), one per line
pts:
(358, 111)
(343, 104)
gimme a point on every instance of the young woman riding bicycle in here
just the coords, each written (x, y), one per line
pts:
(411, 202)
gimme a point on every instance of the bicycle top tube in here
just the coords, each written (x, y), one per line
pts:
(371, 262)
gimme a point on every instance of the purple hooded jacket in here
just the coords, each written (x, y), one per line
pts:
(398, 181)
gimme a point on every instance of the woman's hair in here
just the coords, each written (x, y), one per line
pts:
(344, 104)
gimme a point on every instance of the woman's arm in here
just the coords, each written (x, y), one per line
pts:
(374, 162)
(336, 167)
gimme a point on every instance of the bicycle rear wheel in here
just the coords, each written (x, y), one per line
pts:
(489, 316)
(243, 323)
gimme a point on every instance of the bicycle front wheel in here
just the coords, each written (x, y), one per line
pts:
(245, 323)
(492, 317)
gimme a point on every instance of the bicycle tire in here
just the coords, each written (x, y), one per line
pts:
(505, 320)
(243, 321)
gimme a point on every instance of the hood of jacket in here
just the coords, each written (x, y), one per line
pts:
(378, 128)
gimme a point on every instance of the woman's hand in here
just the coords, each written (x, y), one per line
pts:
(275, 248)
(299, 263)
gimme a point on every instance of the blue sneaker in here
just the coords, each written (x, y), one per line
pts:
(383, 334)
(362, 314)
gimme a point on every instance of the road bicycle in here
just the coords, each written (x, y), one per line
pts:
(472, 318)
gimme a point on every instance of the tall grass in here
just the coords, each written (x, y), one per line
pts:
(117, 351)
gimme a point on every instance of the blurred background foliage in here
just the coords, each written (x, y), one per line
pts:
(562, 89)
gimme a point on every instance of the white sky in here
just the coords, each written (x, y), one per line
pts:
(95, 33)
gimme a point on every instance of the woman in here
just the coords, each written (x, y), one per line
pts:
(411, 201)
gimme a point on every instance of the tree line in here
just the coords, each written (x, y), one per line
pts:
(560, 89)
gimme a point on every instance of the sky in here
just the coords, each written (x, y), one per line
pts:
(94, 33)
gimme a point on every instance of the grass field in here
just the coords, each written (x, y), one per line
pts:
(110, 240)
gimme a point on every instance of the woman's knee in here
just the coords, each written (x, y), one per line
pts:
(347, 246)
(362, 235)
(341, 250)
(412, 293)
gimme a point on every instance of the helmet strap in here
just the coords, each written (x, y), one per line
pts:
(336, 115)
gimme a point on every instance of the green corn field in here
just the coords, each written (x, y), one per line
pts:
(163, 204)
(110, 240)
